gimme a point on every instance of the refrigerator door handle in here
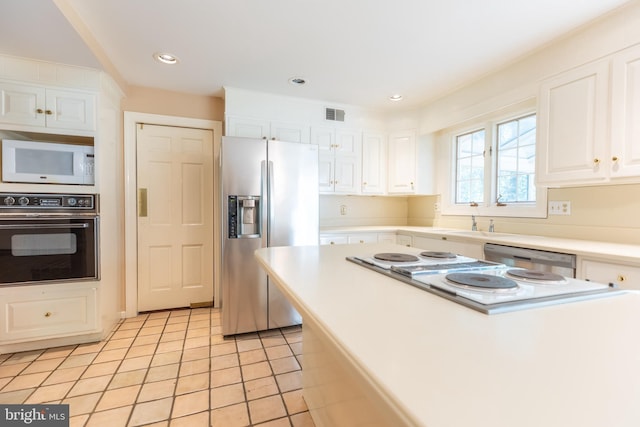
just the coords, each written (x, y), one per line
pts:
(270, 203)
(264, 196)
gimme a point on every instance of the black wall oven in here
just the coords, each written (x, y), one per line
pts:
(48, 238)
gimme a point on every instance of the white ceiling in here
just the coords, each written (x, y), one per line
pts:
(350, 51)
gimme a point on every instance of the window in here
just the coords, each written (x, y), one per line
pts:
(493, 168)
(470, 167)
(516, 158)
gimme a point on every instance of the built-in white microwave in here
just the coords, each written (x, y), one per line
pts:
(47, 162)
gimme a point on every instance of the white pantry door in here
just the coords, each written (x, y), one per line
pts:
(175, 216)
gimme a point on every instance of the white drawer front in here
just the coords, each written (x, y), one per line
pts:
(49, 315)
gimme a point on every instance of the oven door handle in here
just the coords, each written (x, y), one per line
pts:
(40, 226)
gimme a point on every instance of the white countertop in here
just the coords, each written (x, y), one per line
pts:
(443, 364)
(619, 252)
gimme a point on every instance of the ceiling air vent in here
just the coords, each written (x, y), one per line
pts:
(334, 114)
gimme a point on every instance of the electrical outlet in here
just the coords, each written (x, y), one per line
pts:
(559, 208)
(436, 207)
(343, 209)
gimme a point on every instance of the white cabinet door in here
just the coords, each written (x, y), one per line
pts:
(346, 174)
(326, 165)
(402, 163)
(290, 132)
(625, 114)
(22, 104)
(572, 126)
(339, 167)
(51, 108)
(70, 110)
(403, 240)
(334, 239)
(324, 138)
(363, 238)
(265, 129)
(387, 238)
(247, 127)
(623, 276)
(373, 163)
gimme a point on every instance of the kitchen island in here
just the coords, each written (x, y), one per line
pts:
(378, 352)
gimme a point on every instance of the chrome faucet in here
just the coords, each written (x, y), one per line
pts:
(474, 224)
(491, 227)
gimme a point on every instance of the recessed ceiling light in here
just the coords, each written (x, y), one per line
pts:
(165, 58)
(396, 97)
(297, 81)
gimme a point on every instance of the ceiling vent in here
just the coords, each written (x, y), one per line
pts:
(334, 114)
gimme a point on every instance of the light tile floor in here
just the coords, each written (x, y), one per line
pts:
(170, 368)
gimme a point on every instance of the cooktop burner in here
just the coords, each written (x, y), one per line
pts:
(435, 254)
(481, 281)
(541, 276)
(396, 257)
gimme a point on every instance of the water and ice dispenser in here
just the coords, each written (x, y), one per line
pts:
(244, 217)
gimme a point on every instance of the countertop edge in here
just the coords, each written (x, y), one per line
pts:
(605, 251)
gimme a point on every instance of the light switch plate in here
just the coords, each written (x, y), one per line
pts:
(559, 208)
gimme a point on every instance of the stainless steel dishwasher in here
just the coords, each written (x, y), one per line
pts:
(533, 259)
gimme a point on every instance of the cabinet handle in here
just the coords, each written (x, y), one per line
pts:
(614, 159)
(48, 112)
(621, 278)
(361, 241)
(47, 314)
(596, 161)
(39, 111)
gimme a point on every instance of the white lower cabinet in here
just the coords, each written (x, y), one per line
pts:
(351, 238)
(621, 275)
(334, 239)
(47, 311)
(363, 238)
(443, 244)
(403, 240)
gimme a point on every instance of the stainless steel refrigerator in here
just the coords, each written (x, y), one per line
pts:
(270, 198)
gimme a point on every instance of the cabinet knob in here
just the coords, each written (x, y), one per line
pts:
(364, 183)
(332, 243)
(621, 278)
(614, 159)
(596, 161)
(48, 112)
(361, 241)
(47, 314)
(39, 111)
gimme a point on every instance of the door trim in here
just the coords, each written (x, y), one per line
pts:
(131, 120)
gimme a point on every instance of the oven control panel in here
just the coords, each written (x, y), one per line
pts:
(30, 201)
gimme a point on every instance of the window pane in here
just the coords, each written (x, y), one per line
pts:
(516, 160)
(470, 167)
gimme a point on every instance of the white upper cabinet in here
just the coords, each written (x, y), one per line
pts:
(374, 160)
(339, 167)
(44, 107)
(265, 129)
(625, 118)
(402, 162)
(572, 126)
(589, 123)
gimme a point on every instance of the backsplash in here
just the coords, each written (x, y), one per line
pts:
(344, 211)
(608, 213)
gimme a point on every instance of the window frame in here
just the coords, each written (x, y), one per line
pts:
(488, 207)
